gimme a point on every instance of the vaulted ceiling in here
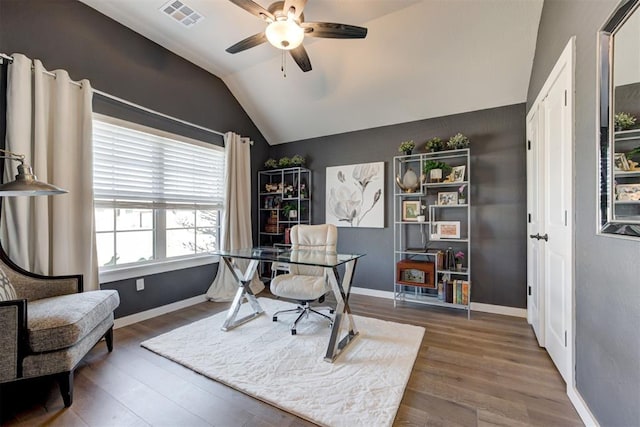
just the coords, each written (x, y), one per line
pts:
(420, 59)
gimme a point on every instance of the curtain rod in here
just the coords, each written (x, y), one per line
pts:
(9, 59)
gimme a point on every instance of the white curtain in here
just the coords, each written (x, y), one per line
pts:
(49, 121)
(236, 223)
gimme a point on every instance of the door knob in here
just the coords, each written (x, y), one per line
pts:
(535, 236)
(545, 237)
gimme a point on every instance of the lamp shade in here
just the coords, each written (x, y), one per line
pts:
(27, 184)
(284, 34)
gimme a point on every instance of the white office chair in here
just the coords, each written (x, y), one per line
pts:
(303, 283)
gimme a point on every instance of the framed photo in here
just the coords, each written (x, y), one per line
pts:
(457, 172)
(447, 230)
(628, 192)
(620, 162)
(449, 198)
(410, 210)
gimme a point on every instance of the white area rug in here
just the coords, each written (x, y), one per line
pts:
(363, 387)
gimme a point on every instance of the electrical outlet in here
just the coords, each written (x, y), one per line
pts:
(140, 285)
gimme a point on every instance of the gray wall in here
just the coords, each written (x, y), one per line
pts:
(498, 196)
(70, 35)
(607, 295)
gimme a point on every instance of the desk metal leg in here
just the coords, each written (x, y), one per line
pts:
(341, 292)
(244, 290)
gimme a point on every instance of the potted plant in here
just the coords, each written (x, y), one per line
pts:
(271, 164)
(623, 121)
(421, 217)
(290, 210)
(407, 147)
(284, 162)
(457, 142)
(297, 160)
(434, 144)
(459, 258)
(462, 199)
(435, 169)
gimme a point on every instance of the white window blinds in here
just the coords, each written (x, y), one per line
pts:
(145, 169)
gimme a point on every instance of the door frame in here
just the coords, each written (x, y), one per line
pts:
(566, 60)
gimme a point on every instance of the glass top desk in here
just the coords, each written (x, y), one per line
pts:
(329, 260)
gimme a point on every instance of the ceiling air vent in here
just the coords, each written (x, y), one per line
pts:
(181, 13)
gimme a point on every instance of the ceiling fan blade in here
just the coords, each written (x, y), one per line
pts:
(333, 31)
(247, 43)
(299, 55)
(254, 9)
(298, 5)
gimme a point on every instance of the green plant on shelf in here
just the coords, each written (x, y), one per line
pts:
(623, 121)
(457, 141)
(429, 165)
(407, 147)
(434, 144)
(297, 160)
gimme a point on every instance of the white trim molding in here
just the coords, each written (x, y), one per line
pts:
(475, 306)
(158, 311)
(581, 407)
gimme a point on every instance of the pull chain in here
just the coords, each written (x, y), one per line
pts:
(283, 64)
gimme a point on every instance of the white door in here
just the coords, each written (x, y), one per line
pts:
(558, 197)
(550, 207)
(535, 267)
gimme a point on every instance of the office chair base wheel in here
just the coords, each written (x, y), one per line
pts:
(331, 311)
(293, 332)
(275, 318)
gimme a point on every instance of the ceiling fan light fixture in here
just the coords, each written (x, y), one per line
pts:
(285, 34)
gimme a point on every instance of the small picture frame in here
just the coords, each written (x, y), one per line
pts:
(628, 192)
(448, 198)
(447, 230)
(620, 162)
(410, 210)
(457, 173)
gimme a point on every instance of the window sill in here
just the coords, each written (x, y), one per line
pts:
(136, 271)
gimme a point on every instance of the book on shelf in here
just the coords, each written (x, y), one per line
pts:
(458, 295)
(448, 291)
(440, 291)
(465, 292)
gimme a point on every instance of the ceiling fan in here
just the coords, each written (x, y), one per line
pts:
(287, 29)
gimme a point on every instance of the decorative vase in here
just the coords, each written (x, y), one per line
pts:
(408, 152)
(409, 182)
(435, 175)
(459, 266)
(421, 218)
(462, 201)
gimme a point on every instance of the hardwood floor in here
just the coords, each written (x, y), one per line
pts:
(485, 371)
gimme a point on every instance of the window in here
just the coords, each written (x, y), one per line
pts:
(158, 196)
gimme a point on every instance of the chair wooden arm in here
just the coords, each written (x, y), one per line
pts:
(13, 335)
(34, 286)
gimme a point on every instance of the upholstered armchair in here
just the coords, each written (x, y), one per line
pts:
(47, 324)
(306, 283)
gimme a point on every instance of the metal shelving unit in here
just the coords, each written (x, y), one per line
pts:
(417, 242)
(279, 188)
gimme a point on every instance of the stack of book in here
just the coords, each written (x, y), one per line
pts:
(454, 291)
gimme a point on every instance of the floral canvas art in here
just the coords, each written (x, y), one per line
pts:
(355, 195)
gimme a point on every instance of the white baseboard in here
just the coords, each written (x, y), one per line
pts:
(372, 292)
(581, 407)
(499, 309)
(475, 306)
(158, 311)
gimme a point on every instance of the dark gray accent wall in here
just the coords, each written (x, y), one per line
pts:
(498, 196)
(607, 272)
(68, 34)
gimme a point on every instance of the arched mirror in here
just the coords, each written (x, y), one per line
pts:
(619, 114)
